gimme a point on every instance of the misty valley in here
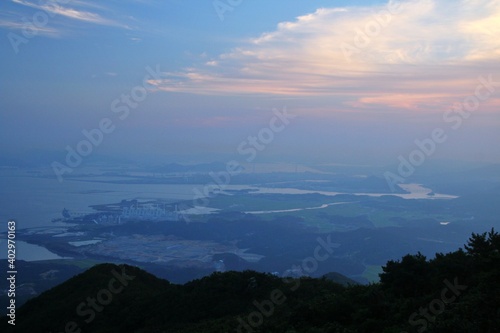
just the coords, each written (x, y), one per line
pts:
(264, 221)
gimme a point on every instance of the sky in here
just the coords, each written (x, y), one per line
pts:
(360, 82)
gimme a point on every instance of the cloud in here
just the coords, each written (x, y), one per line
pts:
(52, 8)
(415, 54)
(12, 24)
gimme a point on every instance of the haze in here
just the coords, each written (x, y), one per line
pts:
(365, 79)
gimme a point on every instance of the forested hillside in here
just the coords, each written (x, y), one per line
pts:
(454, 292)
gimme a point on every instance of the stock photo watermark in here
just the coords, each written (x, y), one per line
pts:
(248, 149)
(30, 28)
(437, 306)
(454, 117)
(223, 6)
(266, 308)
(93, 138)
(11, 272)
(364, 36)
(87, 310)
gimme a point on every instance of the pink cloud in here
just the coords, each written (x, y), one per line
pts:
(423, 56)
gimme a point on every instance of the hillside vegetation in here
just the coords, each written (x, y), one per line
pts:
(454, 292)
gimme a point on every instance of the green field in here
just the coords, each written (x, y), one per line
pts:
(380, 213)
(372, 272)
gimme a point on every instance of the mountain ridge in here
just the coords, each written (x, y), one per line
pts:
(453, 292)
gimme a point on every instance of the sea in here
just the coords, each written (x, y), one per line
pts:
(33, 202)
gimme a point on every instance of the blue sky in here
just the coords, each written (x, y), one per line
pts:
(365, 79)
